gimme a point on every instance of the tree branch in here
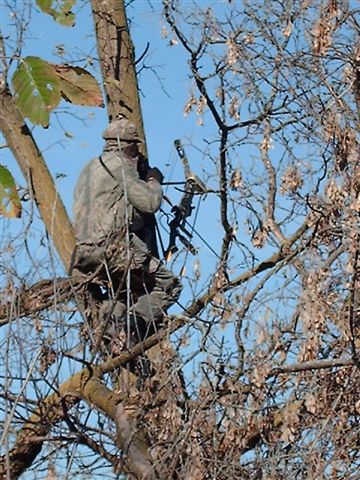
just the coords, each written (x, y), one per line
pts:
(27, 301)
(313, 365)
(41, 184)
(83, 385)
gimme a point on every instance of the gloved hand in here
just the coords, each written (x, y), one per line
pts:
(154, 174)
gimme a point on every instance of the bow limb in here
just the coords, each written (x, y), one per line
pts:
(184, 210)
(181, 212)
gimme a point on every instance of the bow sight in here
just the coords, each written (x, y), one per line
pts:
(178, 229)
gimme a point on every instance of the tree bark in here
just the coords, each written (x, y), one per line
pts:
(117, 60)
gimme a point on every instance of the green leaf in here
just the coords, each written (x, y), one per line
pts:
(79, 86)
(10, 205)
(66, 19)
(37, 90)
(45, 5)
(60, 10)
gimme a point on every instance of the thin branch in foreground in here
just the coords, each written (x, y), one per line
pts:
(313, 365)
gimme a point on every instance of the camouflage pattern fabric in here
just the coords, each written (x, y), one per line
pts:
(110, 204)
(108, 192)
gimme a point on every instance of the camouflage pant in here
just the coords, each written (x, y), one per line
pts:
(153, 287)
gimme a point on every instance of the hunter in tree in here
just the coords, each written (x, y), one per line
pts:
(115, 200)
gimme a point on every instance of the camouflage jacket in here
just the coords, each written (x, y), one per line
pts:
(109, 195)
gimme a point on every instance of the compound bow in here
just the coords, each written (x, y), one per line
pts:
(178, 229)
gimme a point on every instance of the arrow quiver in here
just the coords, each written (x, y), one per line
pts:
(178, 226)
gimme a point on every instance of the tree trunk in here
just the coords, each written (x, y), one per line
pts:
(117, 60)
